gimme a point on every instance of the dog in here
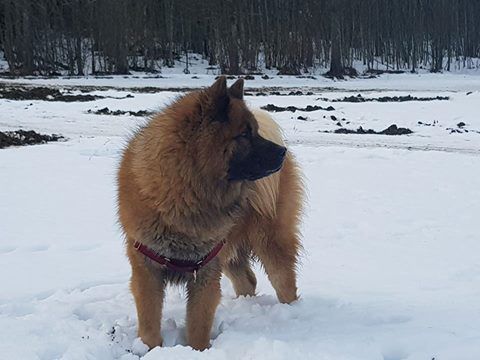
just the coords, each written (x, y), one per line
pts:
(204, 188)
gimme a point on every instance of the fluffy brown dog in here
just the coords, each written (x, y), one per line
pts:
(204, 171)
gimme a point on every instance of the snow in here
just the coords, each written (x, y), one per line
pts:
(391, 265)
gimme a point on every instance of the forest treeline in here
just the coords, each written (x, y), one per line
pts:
(116, 36)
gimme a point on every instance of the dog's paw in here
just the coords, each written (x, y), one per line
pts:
(145, 343)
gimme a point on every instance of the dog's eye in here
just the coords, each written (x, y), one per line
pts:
(244, 134)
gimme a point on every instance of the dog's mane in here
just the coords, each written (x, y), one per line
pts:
(263, 198)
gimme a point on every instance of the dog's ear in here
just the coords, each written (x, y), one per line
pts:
(219, 87)
(236, 90)
(215, 105)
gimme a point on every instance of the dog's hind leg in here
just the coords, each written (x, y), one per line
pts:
(240, 273)
(278, 255)
(277, 244)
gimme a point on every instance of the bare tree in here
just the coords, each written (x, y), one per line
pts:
(116, 36)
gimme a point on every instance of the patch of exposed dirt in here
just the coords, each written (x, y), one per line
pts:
(461, 129)
(360, 99)
(309, 108)
(42, 93)
(259, 91)
(23, 137)
(380, 72)
(288, 70)
(434, 123)
(391, 130)
(107, 111)
(278, 93)
(307, 77)
(341, 74)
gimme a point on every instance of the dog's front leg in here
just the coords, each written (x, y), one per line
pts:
(148, 290)
(203, 299)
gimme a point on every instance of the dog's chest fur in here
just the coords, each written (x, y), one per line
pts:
(180, 247)
(177, 245)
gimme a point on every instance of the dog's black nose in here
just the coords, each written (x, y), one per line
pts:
(282, 151)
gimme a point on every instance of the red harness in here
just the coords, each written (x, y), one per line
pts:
(179, 265)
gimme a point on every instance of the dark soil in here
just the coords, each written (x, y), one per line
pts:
(303, 118)
(380, 72)
(107, 111)
(273, 90)
(435, 123)
(359, 99)
(461, 129)
(42, 93)
(22, 137)
(278, 93)
(307, 77)
(274, 108)
(298, 93)
(289, 70)
(391, 130)
(229, 77)
(346, 71)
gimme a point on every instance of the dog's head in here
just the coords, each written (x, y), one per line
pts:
(228, 142)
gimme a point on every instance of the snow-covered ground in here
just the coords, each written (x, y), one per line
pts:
(408, 82)
(391, 268)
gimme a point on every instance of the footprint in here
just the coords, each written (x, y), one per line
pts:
(396, 319)
(35, 248)
(395, 354)
(83, 247)
(81, 314)
(7, 249)
(17, 310)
